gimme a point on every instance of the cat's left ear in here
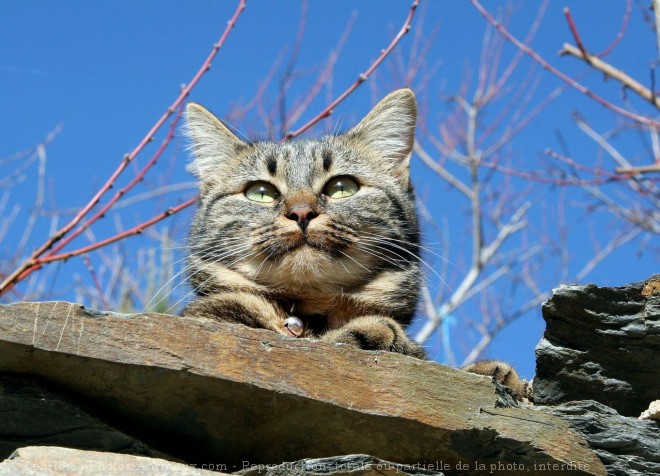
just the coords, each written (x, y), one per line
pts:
(389, 131)
(212, 143)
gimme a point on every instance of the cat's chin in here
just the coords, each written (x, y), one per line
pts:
(307, 269)
(304, 256)
(303, 266)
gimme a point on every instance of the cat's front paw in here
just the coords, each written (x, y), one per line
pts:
(375, 333)
(503, 373)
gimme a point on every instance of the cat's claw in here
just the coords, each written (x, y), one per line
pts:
(293, 326)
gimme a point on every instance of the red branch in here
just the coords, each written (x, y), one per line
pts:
(574, 31)
(361, 78)
(622, 31)
(136, 230)
(567, 79)
(35, 261)
(120, 193)
(603, 177)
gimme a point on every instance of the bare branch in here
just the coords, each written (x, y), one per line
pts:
(485, 254)
(443, 172)
(120, 236)
(575, 33)
(567, 79)
(361, 78)
(642, 169)
(323, 77)
(612, 72)
(33, 262)
(38, 201)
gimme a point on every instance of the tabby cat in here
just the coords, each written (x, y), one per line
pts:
(309, 238)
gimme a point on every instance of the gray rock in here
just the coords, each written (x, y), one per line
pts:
(31, 414)
(212, 392)
(626, 446)
(601, 344)
(208, 392)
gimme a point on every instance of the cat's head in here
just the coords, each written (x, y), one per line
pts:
(328, 213)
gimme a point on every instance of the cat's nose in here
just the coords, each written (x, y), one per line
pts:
(302, 214)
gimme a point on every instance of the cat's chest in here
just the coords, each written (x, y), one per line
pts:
(335, 307)
(325, 311)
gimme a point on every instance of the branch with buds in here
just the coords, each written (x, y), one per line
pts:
(36, 260)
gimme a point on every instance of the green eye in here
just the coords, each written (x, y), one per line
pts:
(341, 187)
(262, 192)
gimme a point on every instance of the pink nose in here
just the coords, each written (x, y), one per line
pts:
(302, 214)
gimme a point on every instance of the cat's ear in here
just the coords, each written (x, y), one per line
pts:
(212, 143)
(389, 131)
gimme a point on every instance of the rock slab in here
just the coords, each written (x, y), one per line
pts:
(55, 461)
(627, 446)
(220, 394)
(601, 344)
(33, 415)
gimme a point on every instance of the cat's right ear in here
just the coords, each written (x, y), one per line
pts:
(212, 143)
(389, 131)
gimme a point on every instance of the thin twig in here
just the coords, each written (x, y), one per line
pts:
(622, 31)
(95, 280)
(489, 334)
(485, 254)
(575, 33)
(124, 190)
(33, 262)
(361, 78)
(38, 201)
(157, 192)
(567, 79)
(119, 236)
(613, 73)
(287, 77)
(440, 170)
(642, 169)
(323, 76)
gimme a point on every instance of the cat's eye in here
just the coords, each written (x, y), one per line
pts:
(262, 192)
(341, 187)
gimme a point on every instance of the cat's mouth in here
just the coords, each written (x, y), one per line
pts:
(304, 240)
(316, 240)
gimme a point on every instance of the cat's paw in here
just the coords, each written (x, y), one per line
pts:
(375, 333)
(504, 374)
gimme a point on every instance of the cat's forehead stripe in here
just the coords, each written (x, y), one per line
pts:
(271, 163)
(327, 160)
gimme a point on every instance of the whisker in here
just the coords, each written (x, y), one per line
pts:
(355, 261)
(192, 291)
(369, 249)
(385, 241)
(384, 257)
(228, 253)
(258, 270)
(416, 245)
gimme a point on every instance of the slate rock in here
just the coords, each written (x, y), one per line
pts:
(213, 392)
(626, 446)
(31, 414)
(601, 344)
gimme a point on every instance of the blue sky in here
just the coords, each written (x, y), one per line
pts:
(107, 70)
